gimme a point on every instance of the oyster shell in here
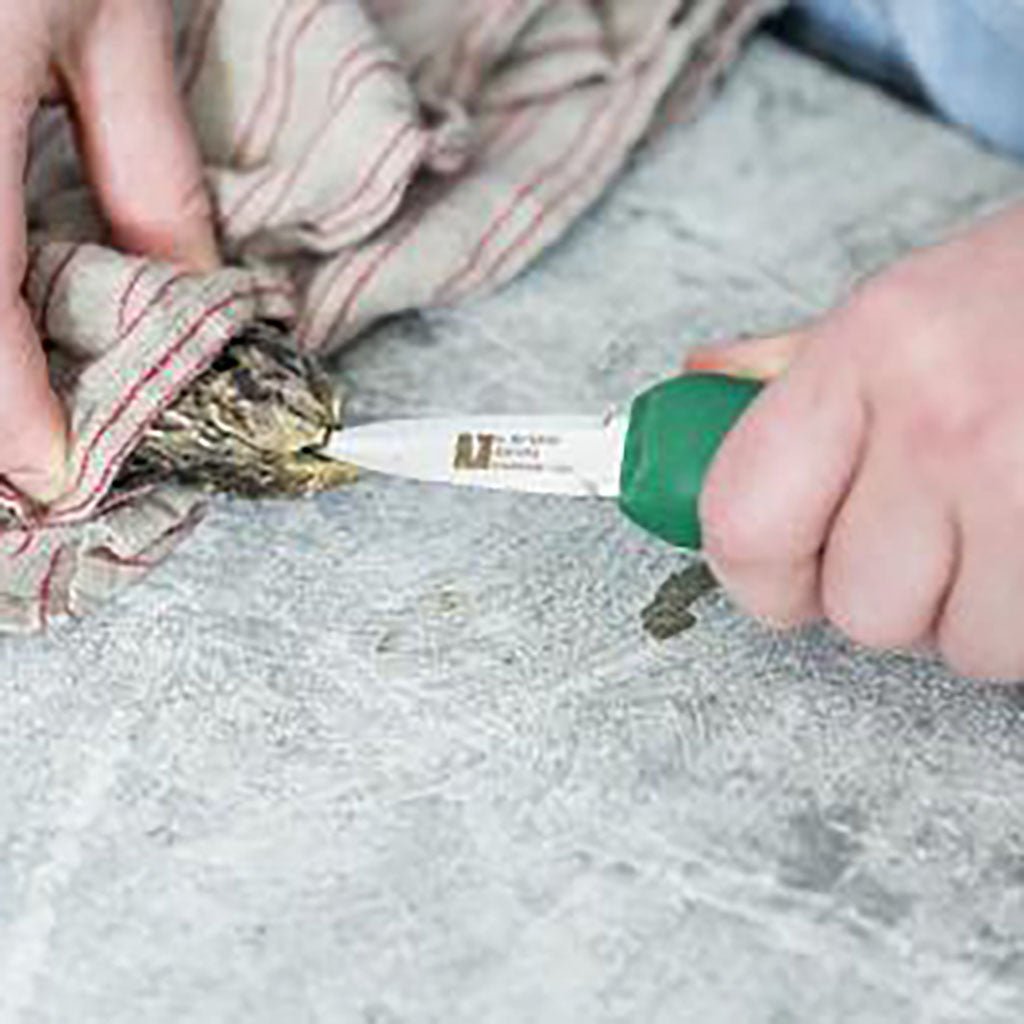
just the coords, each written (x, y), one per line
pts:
(252, 425)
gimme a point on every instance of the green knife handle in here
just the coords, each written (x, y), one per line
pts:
(675, 429)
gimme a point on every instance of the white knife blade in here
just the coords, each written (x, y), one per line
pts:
(578, 456)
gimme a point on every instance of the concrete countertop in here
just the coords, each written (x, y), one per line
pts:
(404, 754)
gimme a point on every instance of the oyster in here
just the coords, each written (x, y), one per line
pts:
(253, 425)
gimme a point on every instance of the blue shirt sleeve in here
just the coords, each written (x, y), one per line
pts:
(964, 58)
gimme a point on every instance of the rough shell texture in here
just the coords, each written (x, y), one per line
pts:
(252, 425)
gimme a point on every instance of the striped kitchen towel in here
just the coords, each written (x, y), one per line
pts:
(366, 157)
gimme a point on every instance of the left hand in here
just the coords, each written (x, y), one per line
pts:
(112, 61)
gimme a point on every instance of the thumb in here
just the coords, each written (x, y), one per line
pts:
(756, 358)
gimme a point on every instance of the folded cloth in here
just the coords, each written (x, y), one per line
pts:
(365, 158)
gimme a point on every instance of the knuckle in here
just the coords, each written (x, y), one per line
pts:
(730, 534)
(926, 379)
(995, 464)
(945, 422)
(782, 617)
(891, 324)
(852, 621)
(781, 596)
(863, 619)
(971, 659)
(966, 662)
(881, 313)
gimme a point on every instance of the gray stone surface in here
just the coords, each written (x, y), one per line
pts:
(405, 755)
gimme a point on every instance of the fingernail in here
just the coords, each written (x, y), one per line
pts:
(748, 358)
(204, 258)
(709, 361)
(199, 257)
(719, 362)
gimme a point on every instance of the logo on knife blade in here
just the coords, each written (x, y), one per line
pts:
(474, 451)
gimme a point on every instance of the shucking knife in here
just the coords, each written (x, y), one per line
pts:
(652, 458)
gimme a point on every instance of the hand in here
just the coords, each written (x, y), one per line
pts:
(879, 481)
(112, 62)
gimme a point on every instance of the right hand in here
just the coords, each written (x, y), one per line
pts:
(112, 62)
(879, 481)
